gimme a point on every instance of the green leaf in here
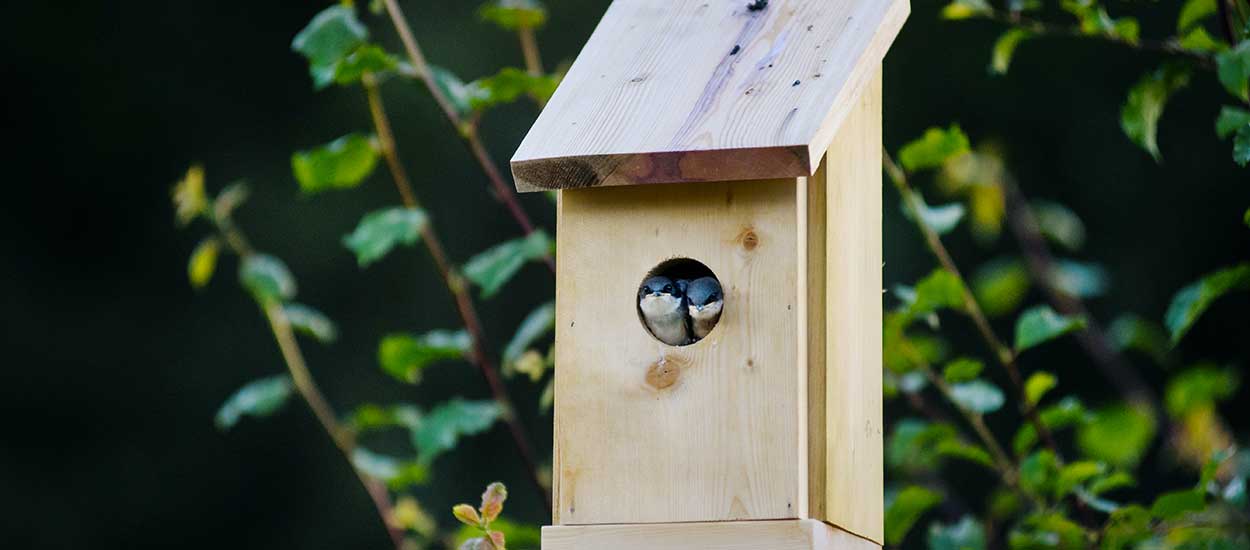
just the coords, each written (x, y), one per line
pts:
(259, 398)
(1038, 472)
(1234, 70)
(939, 290)
(341, 164)
(1246, 218)
(1041, 324)
(1126, 527)
(1199, 40)
(537, 324)
(1140, 115)
(398, 474)
(267, 278)
(1048, 530)
(913, 444)
(1192, 301)
(368, 58)
(953, 448)
(329, 37)
(1037, 385)
(1200, 387)
(405, 356)
(1000, 286)
(382, 230)
(203, 262)
(1231, 120)
(941, 219)
(967, 534)
(1079, 279)
(460, 95)
(447, 423)
(1118, 435)
(1177, 503)
(518, 535)
(964, 9)
(1241, 149)
(1192, 14)
(1074, 474)
(1066, 413)
(311, 322)
(1211, 469)
(493, 268)
(912, 382)
(1111, 482)
(514, 14)
(1005, 49)
(978, 395)
(906, 508)
(962, 370)
(371, 418)
(934, 148)
(507, 85)
(190, 199)
(1130, 332)
(1060, 224)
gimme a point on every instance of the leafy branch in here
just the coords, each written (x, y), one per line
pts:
(270, 284)
(1006, 356)
(467, 127)
(458, 288)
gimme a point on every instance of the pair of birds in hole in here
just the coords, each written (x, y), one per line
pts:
(680, 312)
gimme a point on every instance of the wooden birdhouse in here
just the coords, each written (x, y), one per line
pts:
(738, 140)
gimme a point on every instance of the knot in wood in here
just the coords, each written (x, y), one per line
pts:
(665, 372)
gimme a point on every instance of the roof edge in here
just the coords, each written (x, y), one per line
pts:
(577, 172)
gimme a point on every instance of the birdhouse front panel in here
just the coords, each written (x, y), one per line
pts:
(718, 339)
(648, 431)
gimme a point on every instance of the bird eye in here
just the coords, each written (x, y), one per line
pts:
(668, 289)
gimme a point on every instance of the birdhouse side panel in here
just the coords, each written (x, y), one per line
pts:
(647, 432)
(853, 478)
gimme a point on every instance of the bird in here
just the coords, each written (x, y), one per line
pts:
(662, 304)
(704, 302)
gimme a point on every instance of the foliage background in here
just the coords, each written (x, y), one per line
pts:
(114, 367)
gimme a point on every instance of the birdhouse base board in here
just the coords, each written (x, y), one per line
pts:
(793, 534)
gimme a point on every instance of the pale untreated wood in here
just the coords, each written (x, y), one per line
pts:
(736, 535)
(853, 456)
(680, 91)
(813, 199)
(647, 432)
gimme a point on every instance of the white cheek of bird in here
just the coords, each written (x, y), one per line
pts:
(665, 318)
(704, 318)
(680, 311)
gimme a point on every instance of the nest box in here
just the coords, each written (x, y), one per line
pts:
(738, 139)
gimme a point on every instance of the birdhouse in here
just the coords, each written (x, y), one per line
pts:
(718, 287)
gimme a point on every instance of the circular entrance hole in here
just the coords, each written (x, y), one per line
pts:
(680, 301)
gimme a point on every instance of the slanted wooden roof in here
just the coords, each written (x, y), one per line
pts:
(705, 90)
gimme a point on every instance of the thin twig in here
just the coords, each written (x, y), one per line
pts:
(307, 387)
(1041, 264)
(1226, 22)
(456, 285)
(529, 49)
(1006, 357)
(466, 129)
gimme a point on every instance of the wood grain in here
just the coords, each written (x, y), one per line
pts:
(719, 438)
(735, 535)
(686, 91)
(854, 478)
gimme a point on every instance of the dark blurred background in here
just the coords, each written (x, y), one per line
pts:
(113, 367)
